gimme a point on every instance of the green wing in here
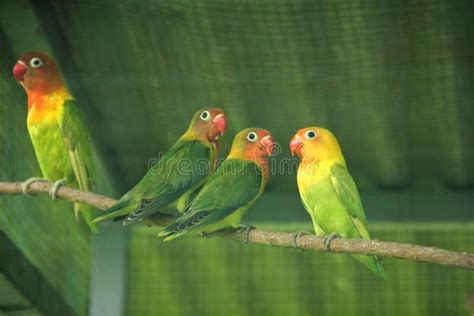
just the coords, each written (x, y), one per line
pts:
(76, 137)
(236, 184)
(346, 189)
(348, 194)
(182, 168)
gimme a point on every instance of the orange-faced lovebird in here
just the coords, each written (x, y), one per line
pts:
(328, 191)
(57, 128)
(235, 186)
(178, 174)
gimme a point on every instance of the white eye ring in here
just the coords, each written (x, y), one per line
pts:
(205, 116)
(252, 137)
(36, 62)
(310, 134)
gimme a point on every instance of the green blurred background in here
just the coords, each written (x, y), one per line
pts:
(393, 80)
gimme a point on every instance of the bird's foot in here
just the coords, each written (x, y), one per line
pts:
(25, 186)
(246, 229)
(54, 189)
(296, 236)
(328, 239)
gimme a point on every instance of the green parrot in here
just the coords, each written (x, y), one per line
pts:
(328, 191)
(57, 128)
(235, 186)
(179, 172)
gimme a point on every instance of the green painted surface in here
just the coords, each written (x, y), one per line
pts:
(392, 80)
(12, 300)
(217, 277)
(23, 282)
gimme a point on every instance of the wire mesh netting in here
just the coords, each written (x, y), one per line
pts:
(391, 79)
(218, 277)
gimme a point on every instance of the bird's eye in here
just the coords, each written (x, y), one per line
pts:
(36, 62)
(310, 134)
(252, 136)
(205, 115)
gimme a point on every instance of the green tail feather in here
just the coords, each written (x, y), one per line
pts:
(372, 263)
(170, 233)
(163, 233)
(167, 231)
(87, 213)
(118, 209)
(176, 235)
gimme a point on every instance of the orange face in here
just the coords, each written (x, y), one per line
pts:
(209, 123)
(315, 143)
(252, 144)
(37, 72)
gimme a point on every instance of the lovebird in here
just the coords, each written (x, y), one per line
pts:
(57, 129)
(328, 192)
(228, 193)
(179, 172)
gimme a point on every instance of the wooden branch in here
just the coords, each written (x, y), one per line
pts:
(411, 252)
(98, 201)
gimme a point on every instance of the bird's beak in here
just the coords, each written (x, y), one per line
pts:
(295, 145)
(268, 143)
(220, 123)
(19, 71)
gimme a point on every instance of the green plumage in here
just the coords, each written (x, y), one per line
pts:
(171, 182)
(331, 198)
(222, 201)
(63, 151)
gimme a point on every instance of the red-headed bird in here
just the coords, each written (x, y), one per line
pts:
(328, 191)
(235, 186)
(178, 174)
(57, 128)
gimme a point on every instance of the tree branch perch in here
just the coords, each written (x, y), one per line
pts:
(411, 252)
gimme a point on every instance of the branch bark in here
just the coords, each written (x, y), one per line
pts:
(411, 252)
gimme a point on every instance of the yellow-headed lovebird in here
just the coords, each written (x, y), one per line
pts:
(57, 128)
(179, 172)
(328, 191)
(235, 186)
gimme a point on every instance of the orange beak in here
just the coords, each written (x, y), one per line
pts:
(268, 143)
(220, 123)
(19, 71)
(295, 145)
